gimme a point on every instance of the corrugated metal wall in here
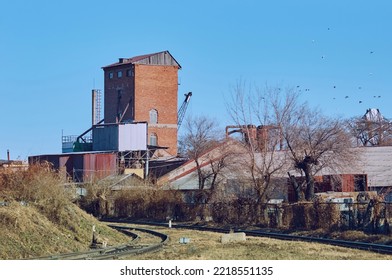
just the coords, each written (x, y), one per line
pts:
(348, 183)
(105, 138)
(132, 137)
(120, 137)
(105, 165)
(89, 167)
(82, 167)
(327, 183)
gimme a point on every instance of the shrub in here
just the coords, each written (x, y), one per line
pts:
(38, 185)
(328, 216)
(147, 202)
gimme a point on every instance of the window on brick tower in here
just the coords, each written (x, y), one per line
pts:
(153, 116)
(153, 139)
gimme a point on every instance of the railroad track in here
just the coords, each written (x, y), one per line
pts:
(116, 252)
(373, 247)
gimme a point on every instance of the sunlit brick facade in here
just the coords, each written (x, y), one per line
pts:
(145, 88)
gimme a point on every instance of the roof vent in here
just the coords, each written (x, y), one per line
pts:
(122, 60)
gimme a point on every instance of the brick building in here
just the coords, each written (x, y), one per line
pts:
(144, 88)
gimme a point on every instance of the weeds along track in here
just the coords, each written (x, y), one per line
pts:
(372, 247)
(153, 241)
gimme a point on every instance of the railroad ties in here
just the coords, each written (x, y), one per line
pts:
(116, 252)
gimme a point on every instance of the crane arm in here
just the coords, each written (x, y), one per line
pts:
(182, 110)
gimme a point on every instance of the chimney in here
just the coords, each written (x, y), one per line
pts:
(250, 133)
(262, 136)
(93, 104)
(96, 106)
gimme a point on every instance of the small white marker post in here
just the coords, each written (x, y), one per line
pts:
(170, 223)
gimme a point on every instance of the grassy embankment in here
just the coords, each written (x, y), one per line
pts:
(40, 218)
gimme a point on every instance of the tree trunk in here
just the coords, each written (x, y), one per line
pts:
(297, 188)
(309, 183)
(263, 188)
(200, 175)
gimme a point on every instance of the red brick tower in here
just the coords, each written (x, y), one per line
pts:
(144, 88)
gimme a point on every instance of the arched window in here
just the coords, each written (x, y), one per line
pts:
(153, 139)
(153, 116)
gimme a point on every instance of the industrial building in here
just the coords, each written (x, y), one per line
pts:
(138, 133)
(371, 173)
(15, 165)
(144, 89)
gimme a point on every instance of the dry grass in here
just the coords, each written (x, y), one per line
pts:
(40, 218)
(207, 246)
(26, 233)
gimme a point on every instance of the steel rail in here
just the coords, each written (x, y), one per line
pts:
(136, 250)
(114, 252)
(372, 247)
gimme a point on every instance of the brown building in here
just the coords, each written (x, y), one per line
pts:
(144, 89)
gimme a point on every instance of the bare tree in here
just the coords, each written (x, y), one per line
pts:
(289, 135)
(202, 144)
(371, 129)
(259, 125)
(316, 142)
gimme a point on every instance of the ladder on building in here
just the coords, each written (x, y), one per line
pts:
(96, 102)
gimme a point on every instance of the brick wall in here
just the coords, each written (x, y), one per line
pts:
(149, 87)
(156, 87)
(112, 85)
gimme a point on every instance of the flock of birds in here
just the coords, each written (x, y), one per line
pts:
(334, 87)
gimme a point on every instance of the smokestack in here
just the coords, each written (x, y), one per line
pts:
(8, 155)
(93, 104)
(96, 106)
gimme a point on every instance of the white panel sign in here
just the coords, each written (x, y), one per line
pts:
(132, 137)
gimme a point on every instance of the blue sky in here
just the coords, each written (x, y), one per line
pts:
(51, 54)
